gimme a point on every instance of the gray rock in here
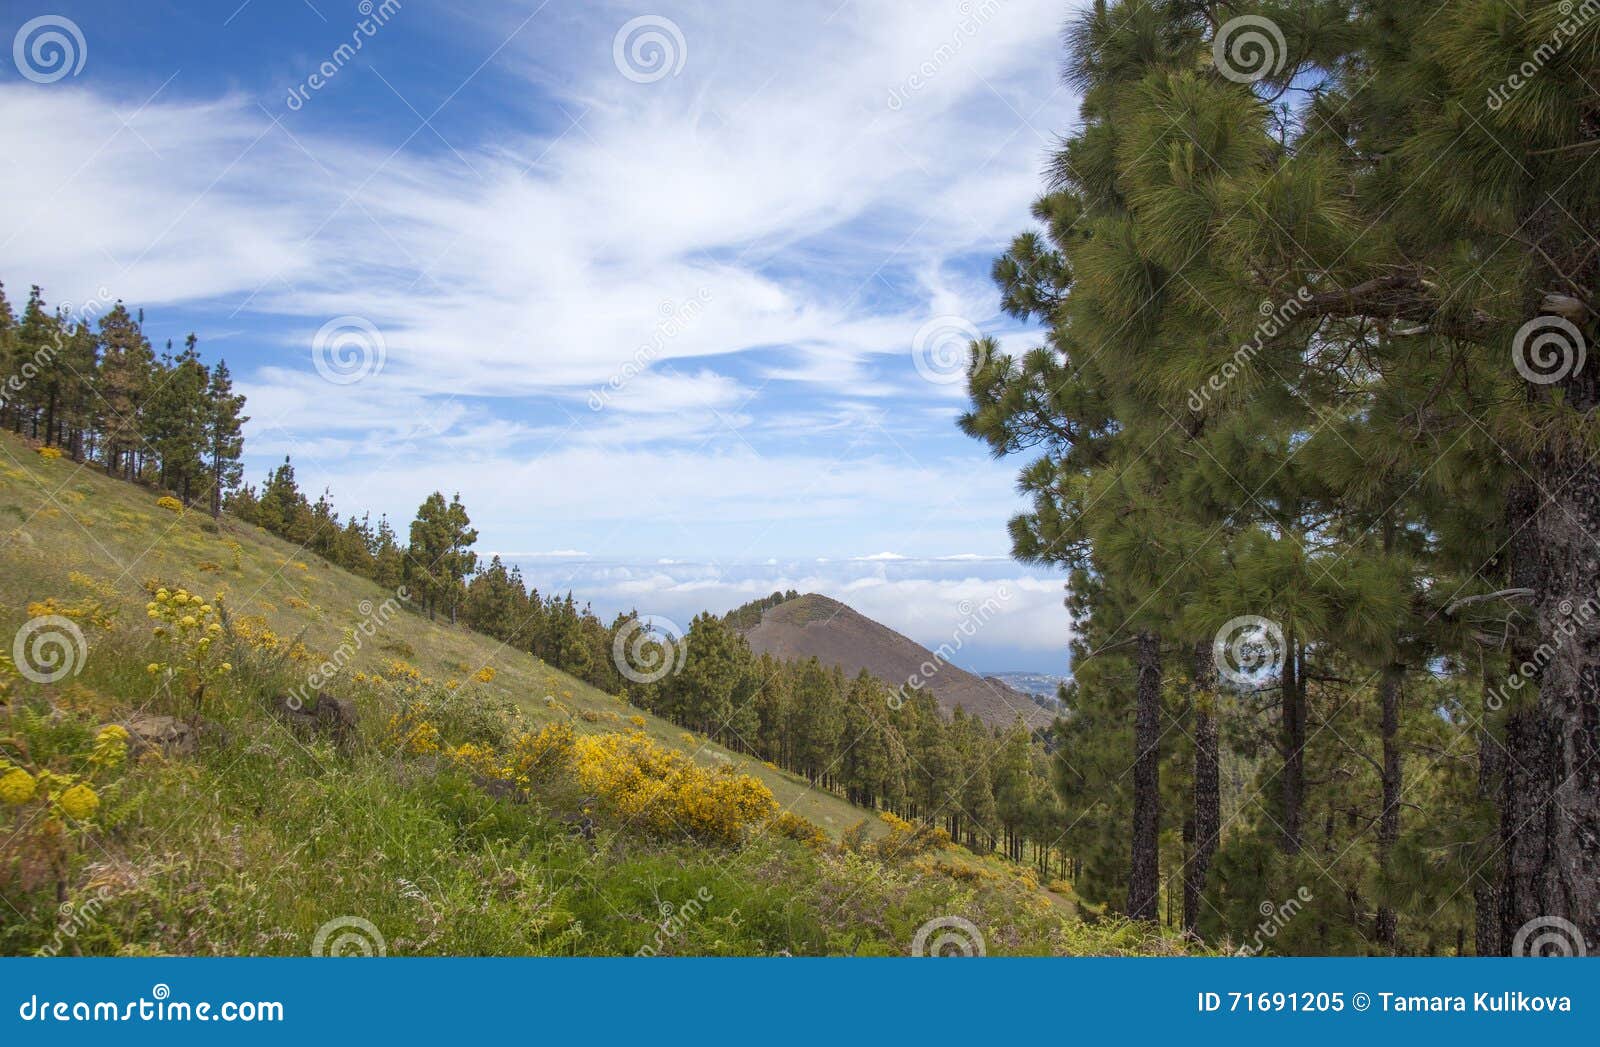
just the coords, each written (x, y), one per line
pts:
(167, 733)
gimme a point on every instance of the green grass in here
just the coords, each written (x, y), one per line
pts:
(263, 835)
(77, 520)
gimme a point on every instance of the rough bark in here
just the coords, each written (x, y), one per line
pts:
(1486, 887)
(1550, 815)
(1206, 820)
(1389, 690)
(1144, 877)
(1294, 750)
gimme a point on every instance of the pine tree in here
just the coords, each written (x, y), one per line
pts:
(126, 365)
(224, 435)
(174, 420)
(440, 556)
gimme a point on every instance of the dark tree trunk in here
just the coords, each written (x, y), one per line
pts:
(1389, 688)
(1550, 812)
(1206, 819)
(1487, 893)
(1144, 878)
(1294, 749)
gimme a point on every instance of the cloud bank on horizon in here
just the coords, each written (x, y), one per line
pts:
(681, 283)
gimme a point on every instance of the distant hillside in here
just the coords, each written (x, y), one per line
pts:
(817, 626)
(1041, 687)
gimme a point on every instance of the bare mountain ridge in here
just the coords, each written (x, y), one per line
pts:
(818, 626)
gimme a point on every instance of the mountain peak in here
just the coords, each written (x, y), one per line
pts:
(814, 625)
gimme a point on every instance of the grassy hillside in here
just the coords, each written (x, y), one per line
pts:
(59, 520)
(264, 832)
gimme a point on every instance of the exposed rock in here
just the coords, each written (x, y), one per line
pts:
(333, 717)
(151, 731)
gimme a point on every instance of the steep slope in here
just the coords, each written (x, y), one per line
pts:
(68, 533)
(821, 627)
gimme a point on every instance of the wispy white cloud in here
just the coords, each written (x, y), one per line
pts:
(513, 274)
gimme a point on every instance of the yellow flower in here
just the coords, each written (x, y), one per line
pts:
(226, 667)
(188, 621)
(153, 668)
(16, 786)
(79, 802)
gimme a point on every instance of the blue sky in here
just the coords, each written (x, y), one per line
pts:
(672, 294)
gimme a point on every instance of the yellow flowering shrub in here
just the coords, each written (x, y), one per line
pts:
(666, 792)
(794, 827)
(47, 809)
(476, 759)
(907, 840)
(17, 786)
(190, 629)
(65, 795)
(535, 756)
(403, 670)
(637, 721)
(49, 454)
(411, 733)
(91, 611)
(169, 503)
(99, 586)
(484, 675)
